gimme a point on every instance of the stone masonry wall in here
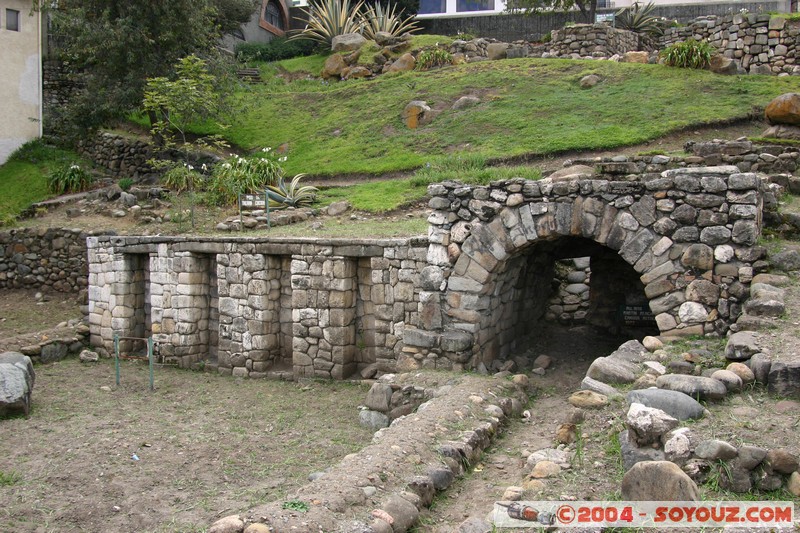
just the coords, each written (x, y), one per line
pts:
(120, 155)
(761, 44)
(689, 233)
(43, 259)
(592, 40)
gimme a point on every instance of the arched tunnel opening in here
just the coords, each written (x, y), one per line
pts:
(569, 298)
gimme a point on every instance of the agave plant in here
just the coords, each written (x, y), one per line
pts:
(293, 195)
(378, 18)
(639, 19)
(329, 18)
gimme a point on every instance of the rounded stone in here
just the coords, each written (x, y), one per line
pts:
(545, 469)
(731, 381)
(652, 343)
(744, 373)
(588, 399)
(658, 481)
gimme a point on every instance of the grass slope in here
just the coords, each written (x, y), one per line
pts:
(23, 178)
(528, 106)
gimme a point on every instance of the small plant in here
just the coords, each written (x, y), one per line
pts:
(378, 18)
(181, 178)
(69, 178)
(9, 478)
(277, 49)
(330, 18)
(125, 183)
(296, 505)
(688, 54)
(464, 36)
(292, 195)
(436, 57)
(639, 19)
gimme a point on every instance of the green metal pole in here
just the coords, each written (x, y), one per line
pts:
(150, 357)
(116, 356)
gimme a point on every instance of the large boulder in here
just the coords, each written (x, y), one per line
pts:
(348, 42)
(719, 64)
(674, 403)
(658, 481)
(612, 370)
(333, 67)
(16, 382)
(695, 386)
(404, 63)
(417, 113)
(785, 109)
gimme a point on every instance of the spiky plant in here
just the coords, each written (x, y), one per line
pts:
(329, 18)
(378, 18)
(688, 54)
(640, 19)
(291, 195)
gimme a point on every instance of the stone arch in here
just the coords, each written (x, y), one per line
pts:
(688, 233)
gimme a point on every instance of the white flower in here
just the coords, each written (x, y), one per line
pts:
(204, 167)
(74, 167)
(282, 159)
(266, 149)
(190, 167)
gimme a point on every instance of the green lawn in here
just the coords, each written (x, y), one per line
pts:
(528, 106)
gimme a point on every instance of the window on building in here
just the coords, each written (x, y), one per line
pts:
(12, 19)
(432, 6)
(474, 5)
(273, 15)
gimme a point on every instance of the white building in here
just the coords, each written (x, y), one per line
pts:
(21, 80)
(464, 8)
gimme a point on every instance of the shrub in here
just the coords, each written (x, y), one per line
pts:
(181, 178)
(69, 178)
(125, 183)
(276, 50)
(688, 54)
(386, 19)
(436, 57)
(241, 175)
(638, 19)
(329, 18)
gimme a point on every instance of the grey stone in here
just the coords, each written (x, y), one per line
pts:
(751, 456)
(734, 478)
(403, 512)
(760, 364)
(55, 351)
(229, 524)
(781, 460)
(674, 403)
(572, 173)
(610, 370)
(441, 477)
(373, 419)
(632, 454)
(17, 378)
(474, 524)
(631, 351)
(741, 346)
(658, 481)
(465, 102)
(599, 387)
(695, 386)
(787, 261)
(379, 397)
(678, 446)
(714, 450)
(88, 356)
(784, 379)
(646, 425)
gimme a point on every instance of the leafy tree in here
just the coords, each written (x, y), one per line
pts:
(117, 46)
(586, 7)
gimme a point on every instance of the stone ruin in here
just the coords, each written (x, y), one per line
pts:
(679, 244)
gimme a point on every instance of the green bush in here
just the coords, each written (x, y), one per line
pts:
(688, 54)
(125, 183)
(275, 50)
(292, 194)
(436, 57)
(182, 178)
(69, 178)
(244, 175)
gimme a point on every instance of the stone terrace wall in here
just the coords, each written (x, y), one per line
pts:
(759, 43)
(592, 40)
(43, 259)
(122, 156)
(327, 308)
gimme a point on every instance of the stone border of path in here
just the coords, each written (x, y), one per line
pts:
(383, 487)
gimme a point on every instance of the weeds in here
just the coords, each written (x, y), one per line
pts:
(688, 54)
(69, 178)
(9, 478)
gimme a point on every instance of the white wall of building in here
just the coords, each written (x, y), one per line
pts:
(20, 76)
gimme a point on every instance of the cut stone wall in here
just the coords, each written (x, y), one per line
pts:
(592, 40)
(53, 259)
(252, 306)
(121, 156)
